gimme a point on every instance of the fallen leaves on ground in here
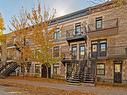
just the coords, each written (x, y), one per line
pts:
(32, 90)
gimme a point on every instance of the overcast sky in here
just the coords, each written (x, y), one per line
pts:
(9, 8)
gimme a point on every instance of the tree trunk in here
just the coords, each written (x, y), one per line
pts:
(47, 71)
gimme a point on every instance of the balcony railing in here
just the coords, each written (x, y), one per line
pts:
(111, 52)
(10, 44)
(72, 35)
(109, 24)
(117, 51)
(9, 57)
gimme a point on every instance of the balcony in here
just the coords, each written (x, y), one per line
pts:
(117, 52)
(71, 36)
(111, 52)
(9, 57)
(109, 28)
(10, 45)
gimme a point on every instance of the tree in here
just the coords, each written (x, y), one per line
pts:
(19, 28)
(2, 37)
(34, 26)
(42, 36)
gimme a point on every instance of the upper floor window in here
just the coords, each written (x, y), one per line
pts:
(99, 48)
(103, 45)
(56, 51)
(81, 51)
(77, 28)
(99, 23)
(94, 46)
(57, 34)
(74, 51)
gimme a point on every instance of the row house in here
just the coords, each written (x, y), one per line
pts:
(92, 43)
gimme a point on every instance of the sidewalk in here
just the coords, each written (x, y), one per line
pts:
(104, 90)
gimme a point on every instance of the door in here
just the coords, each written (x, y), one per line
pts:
(118, 72)
(44, 72)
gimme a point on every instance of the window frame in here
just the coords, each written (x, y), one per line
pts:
(78, 26)
(73, 46)
(81, 45)
(56, 67)
(37, 69)
(55, 51)
(57, 33)
(95, 42)
(98, 43)
(97, 21)
(100, 69)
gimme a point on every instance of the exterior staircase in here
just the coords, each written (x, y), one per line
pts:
(88, 78)
(2, 66)
(7, 69)
(83, 74)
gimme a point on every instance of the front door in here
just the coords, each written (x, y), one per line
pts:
(117, 72)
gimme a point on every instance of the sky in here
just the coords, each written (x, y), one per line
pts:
(9, 8)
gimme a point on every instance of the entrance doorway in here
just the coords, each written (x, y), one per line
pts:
(117, 72)
(44, 71)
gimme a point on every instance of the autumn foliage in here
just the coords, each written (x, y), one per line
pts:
(34, 39)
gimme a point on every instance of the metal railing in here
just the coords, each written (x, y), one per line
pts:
(117, 51)
(10, 44)
(111, 52)
(72, 32)
(112, 23)
(9, 57)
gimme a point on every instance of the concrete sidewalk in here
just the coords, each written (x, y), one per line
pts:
(97, 90)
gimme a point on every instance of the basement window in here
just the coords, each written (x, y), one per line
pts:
(100, 69)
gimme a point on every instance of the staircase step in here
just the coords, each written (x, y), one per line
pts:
(88, 81)
(88, 84)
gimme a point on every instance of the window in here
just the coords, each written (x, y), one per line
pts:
(55, 69)
(74, 51)
(99, 23)
(94, 46)
(77, 28)
(99, 48)
(100, 69)
(57, 34)
(117, 68)
(37, 68)
(103, 45)
(82, 51)
(56, 51)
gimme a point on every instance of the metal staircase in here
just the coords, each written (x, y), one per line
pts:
(84, 73)
(3, 66)
(7, 69)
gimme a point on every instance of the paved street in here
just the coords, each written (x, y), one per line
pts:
(96, 90)
(4, 91)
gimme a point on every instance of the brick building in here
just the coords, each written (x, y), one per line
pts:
(93, 43)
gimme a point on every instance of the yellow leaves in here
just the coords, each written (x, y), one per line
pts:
(2, 37)
(40, 36)
(1, 23)
(26, 51)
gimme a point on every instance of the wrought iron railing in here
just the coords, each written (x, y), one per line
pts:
(72, 32)
(108, 24)
(117, 51)
(9, 57)
(111, 52)
(10, 44)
